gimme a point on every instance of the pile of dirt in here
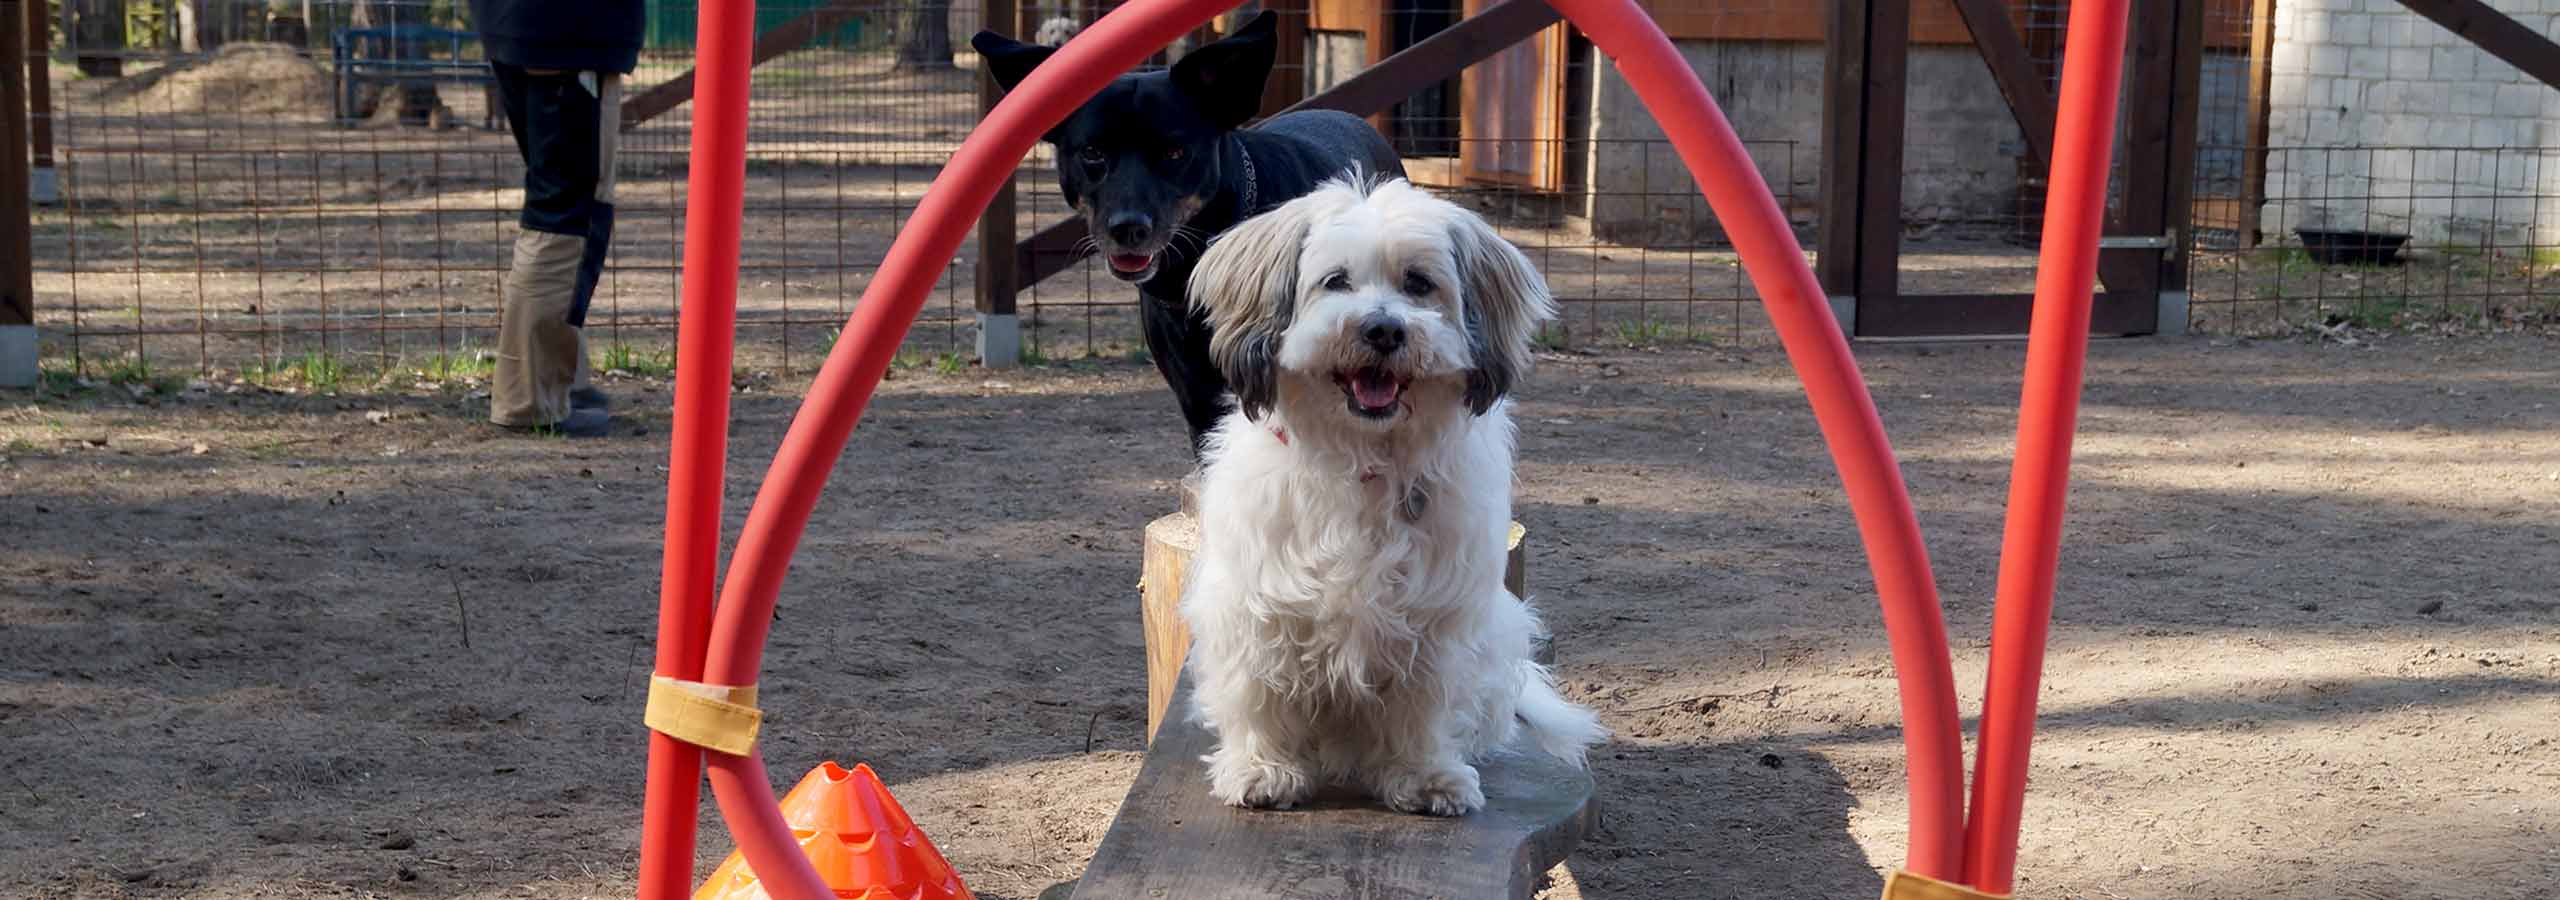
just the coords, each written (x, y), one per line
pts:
(244, 78)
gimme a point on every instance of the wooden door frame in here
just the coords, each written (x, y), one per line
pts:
(1860, 235)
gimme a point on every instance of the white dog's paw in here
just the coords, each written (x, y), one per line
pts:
(1257, 783)
(1434, 792)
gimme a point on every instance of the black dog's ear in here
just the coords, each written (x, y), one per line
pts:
(1008, 60)
(1226, 77)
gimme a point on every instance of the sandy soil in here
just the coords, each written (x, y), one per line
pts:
(2307, 643)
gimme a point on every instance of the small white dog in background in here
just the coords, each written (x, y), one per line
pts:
(1346, 605)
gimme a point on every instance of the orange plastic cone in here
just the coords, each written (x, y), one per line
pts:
(862, 842)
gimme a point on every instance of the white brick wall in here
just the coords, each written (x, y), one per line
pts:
(2380, 119)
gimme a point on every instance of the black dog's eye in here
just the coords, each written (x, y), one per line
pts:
(1416, 285)
(1172, 154)
(1338, 281)
(1091, 156)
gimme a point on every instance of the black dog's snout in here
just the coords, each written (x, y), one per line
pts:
(1382, 333)
(1130, 230)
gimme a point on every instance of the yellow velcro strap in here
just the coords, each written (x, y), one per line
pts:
(1906, 886)
(710, 716)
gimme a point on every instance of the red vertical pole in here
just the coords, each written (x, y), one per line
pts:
(1798, 309)
(715, 205)
(2048, 411)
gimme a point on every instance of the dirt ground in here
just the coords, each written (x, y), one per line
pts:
(2307, 644)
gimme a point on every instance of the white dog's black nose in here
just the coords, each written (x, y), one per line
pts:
(1382, 333)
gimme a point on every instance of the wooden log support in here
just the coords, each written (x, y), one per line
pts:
(1167, 556)
(1433, 59)
(1172, 840)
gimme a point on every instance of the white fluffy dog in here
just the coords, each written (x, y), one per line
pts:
(1346, 605)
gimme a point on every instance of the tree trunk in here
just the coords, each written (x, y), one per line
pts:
(190, 15)
(98, 38)
(924, 34)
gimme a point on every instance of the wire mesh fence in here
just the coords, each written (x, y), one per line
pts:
(260, 186)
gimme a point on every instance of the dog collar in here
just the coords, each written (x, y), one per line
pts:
(1252, 184)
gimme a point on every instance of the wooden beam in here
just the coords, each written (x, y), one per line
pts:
(1374, 90)
(1996, 38)
(40, 83)
(2253, 140)
(1880, 182)
(2148, 145)
(17, 209)
(1995, 315)
(791, 35)
(2186, 100)
(999, 272)
(2493, 31)
(1844, 102)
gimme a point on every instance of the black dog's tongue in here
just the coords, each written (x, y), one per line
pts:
(1374, 388)
(1130, 262)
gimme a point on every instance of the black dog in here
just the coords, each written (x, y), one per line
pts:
(1159, 163)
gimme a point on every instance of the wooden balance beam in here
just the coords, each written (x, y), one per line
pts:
(1172, 840)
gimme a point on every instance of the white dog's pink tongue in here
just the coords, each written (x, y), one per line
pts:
(1374, 390)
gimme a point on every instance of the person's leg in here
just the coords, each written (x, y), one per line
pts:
(583, 394)
(554, 120)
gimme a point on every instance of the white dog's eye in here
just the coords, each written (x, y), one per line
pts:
(1338, 281)
(1416, 285)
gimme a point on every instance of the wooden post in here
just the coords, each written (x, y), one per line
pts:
(1288, 82)
(1860, 238)
(2253, 150)
(2186, 99)
(40, 92)
(17, 248)
(999, 277)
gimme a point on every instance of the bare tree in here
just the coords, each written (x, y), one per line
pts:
(924, 34)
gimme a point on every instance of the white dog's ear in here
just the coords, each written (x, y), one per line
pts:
(1247, 286)
(1505, 301)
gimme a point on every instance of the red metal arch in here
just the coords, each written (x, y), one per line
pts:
(729, 651)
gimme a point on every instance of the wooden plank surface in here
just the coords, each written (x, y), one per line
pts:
(1172, 840)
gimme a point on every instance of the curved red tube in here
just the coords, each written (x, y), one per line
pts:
(1705, 141)
(853, 369)
(2048, 410)
(1898, 560)
(714, 206)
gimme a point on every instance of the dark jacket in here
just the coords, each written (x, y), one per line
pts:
(580, 35)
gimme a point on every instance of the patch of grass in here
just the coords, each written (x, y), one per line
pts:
(133, 370)
(1645, 333)
(318, 371)
(466, 362)
(631, 360)
(1031, 356)
(60, 381)
(19, 445)
(938, 363)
